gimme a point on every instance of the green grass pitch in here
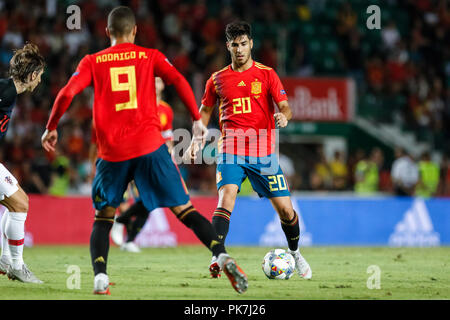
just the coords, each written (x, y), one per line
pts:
(182, 273)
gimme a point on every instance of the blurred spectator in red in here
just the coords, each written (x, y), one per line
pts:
(76, 141)
(375, 73)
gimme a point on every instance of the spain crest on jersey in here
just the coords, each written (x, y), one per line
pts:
(256, 87)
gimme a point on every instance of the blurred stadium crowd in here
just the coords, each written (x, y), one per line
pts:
(402, 72)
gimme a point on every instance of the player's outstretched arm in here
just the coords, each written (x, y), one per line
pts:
(285, 114)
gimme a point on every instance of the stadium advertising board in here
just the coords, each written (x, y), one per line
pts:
(321, 99)
(323, 221)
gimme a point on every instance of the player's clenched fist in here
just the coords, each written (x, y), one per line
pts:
(280, 119)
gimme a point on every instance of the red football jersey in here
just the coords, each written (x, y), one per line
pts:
(125, 114)
(165, 117)
(246, 108)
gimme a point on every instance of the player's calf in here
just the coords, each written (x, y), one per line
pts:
(14, 226)
(291, 229)
(99, 243)
(221, 222)
(202, 228)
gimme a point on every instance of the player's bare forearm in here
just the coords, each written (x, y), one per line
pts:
(285, 109)
(205, 113)
(282, 118)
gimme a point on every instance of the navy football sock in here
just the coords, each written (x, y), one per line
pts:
(135, 209)
(221, 223)
(291, 229)
(99, 243)
(203, 229)
(142, 214)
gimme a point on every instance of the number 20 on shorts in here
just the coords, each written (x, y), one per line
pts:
(129, 86)
(277, 183)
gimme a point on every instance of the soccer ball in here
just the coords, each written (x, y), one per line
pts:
(278, 264)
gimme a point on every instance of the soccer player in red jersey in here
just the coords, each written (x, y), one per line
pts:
(130, 144)
(246, 91)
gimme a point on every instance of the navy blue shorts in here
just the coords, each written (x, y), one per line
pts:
(157, 179)
(264, 173)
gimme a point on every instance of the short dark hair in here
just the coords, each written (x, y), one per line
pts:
(25, 61)
(121, 21)
(237, 29)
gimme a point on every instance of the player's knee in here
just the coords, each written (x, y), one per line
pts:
(286, 213)
(107, 212)
(227, 197)
(21, 203)
(178, 209)
(21, 206)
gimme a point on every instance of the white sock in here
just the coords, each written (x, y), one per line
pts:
(15, 232)
(5, 246)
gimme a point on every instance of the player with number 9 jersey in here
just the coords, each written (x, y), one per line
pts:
(124, 112)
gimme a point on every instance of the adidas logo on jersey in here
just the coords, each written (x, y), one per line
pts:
(241, 84)
(416, 228)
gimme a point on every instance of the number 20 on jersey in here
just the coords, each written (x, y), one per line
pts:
(242, 105)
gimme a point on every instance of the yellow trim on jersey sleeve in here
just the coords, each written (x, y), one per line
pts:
(261, 66)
